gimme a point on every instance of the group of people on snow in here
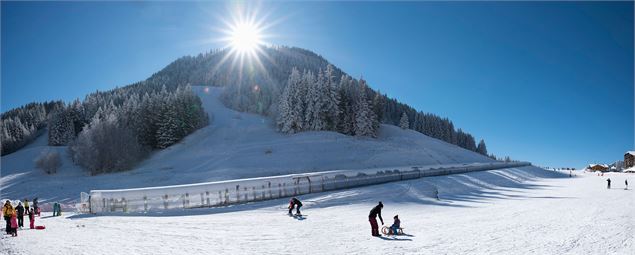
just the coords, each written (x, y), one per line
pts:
(374, 227)
(14, 216)
(372, 217)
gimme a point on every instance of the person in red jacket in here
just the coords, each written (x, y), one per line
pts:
(14, 224)
(376, 211)
(31, 219)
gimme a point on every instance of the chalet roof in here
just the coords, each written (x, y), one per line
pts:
(602, 165)
(630, 152)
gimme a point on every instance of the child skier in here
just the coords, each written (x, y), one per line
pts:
(14, 224)
(395, 225)
(293, 202)
(31, 219)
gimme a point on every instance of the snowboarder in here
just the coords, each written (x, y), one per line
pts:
(14, 224)
(31, 219)
(626, 183)
(20, 210)
(608, 183)
(295, 202)
(395, 225)
(7, 211)
(376, 211)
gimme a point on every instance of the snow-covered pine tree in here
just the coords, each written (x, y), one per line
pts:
(168, 132)
(332, 99)
(346, 117)
(404, 123)
(288, 103)
(294, 119)
(481, 148)
(61, 128)
(284, 117)
(379, 106)
(313, 101)
(364, 116)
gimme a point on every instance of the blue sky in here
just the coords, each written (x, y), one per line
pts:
(548, 82)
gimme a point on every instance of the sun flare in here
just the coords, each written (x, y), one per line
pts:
(245, 37)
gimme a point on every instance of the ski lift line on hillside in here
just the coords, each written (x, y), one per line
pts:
(223, 193)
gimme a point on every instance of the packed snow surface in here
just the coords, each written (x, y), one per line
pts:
(235, 145)
(508, 211)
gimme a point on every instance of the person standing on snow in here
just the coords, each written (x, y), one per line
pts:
(55, 209)
(31, 219)
(626, 183)
(7, 211)
(26, 205)
(20, 210)
(608, 183)
(376, 211)
(14, 224)
(35, 208)
(295, 202)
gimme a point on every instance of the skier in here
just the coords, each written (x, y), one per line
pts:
(376, 211)
(7, 211)
(295, 202)
(626, 182)
(608, 183)
(31, 219)
(20, 210)
(395, 225)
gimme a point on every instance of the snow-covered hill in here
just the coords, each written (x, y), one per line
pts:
(509, 211)
(235, 145)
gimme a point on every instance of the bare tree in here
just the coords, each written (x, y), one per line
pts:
(49, 161)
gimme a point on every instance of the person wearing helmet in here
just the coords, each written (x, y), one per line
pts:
(372, 218)
(295, 202)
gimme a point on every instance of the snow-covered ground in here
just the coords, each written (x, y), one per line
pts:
(508, 211)
(236, 145)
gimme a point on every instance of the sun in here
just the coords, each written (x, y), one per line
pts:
(245, 37)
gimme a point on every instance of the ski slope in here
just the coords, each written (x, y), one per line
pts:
(234, 146)
(509, 211)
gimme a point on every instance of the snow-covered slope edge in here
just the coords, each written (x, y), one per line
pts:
(235, 145)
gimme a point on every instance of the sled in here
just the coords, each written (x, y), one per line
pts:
(388, 231)
(40, 227)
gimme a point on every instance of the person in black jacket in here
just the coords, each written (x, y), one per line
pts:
(20, 210)
(35, 207)
(295, 202)
(376, 211)
(608, 183)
